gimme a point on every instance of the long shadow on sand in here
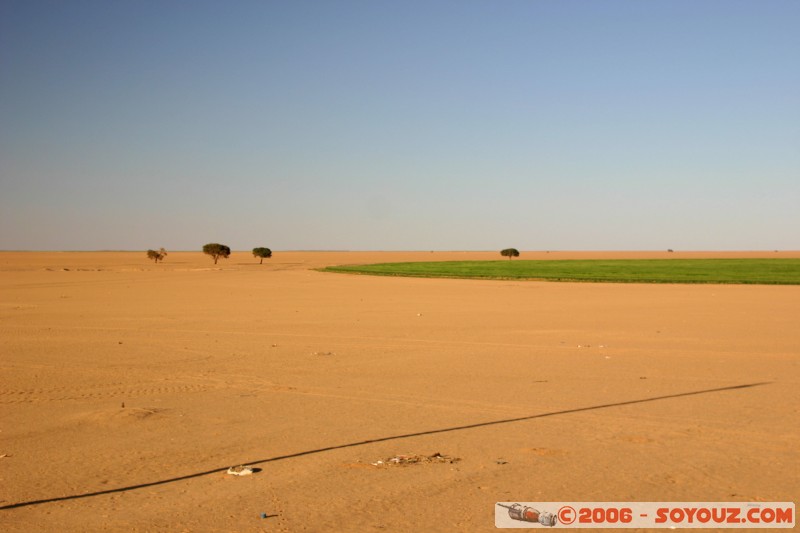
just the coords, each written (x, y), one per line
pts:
(383, 439)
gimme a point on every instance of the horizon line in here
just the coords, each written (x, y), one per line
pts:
(320, 250)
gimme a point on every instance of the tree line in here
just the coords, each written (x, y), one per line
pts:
(215, 250)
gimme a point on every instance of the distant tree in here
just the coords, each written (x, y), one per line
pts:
(157, 255)
(216, 251)
(509, 252)
(262, 253)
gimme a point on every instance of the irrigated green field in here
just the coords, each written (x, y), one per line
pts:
(754, 271)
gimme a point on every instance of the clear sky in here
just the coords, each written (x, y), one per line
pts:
(400, 125)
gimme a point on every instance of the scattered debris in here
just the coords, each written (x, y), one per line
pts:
(324, 353)
(241, 470)
(501, 462)
(412, 459)
(589, 345)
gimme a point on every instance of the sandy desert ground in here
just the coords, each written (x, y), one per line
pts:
(128, 388)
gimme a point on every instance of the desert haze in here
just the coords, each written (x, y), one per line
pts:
(128, 389)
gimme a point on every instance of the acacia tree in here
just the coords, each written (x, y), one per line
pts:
(157, 255)
(216, 251)
(262, 253)
(509, 252)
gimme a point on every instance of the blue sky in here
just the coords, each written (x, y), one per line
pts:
(441, 125)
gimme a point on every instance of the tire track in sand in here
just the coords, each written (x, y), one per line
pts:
(101, 392)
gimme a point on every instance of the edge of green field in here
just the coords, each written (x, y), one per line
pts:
(737, 271)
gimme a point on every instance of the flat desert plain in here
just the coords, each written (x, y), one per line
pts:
(128, 388)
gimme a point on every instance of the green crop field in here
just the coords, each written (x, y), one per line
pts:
(753, 271)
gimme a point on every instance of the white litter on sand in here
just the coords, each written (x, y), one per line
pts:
(241, 470)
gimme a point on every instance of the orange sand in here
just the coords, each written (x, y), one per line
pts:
(545, 391)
